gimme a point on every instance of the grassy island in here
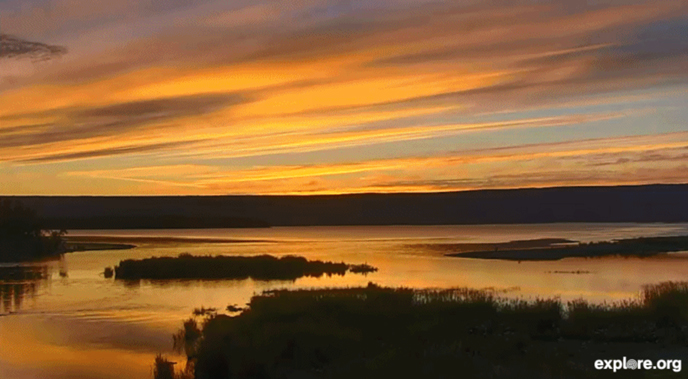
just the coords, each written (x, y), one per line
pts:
(376, 332)
(632, 247)
(262, 267)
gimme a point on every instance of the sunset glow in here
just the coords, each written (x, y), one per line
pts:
(305, 97)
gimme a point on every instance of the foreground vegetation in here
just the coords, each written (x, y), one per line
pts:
(632, 247)
(262, 267)
(377, 332)
(22, 236)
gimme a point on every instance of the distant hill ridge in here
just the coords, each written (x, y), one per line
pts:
(647, 203)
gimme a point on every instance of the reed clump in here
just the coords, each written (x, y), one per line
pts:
(362, 269)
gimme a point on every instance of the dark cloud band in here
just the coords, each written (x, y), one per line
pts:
(13, 47)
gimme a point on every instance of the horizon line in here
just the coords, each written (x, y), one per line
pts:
(342, 194)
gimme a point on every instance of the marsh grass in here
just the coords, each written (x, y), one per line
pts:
(373, 331)
(667, 302)
(164, 369)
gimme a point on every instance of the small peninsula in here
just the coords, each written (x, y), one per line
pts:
(632, 247)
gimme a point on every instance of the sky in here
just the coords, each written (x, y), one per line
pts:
(199, 97)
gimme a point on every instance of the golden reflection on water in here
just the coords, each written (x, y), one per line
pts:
(78, 323)
(33, 354)
(18, 283)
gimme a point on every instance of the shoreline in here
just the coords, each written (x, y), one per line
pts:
(78, 246)
(643, 247)
(144, 239)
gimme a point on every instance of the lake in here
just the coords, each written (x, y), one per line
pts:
(63, 319)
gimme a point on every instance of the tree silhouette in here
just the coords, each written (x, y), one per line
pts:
(18, 221)
(22, 236)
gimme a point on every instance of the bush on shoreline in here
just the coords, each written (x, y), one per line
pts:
(22, 237)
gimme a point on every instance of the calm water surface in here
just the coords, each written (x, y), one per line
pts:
(73, 323)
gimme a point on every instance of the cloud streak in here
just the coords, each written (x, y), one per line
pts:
(643, 159)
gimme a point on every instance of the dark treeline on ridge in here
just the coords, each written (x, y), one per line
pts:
(153, 222)
(651, 203)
